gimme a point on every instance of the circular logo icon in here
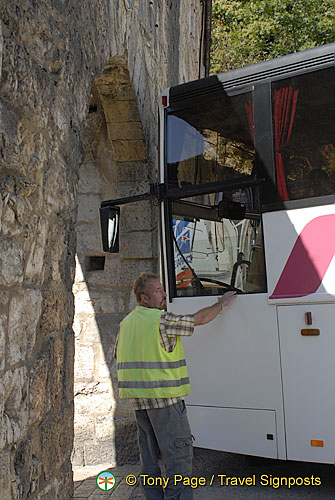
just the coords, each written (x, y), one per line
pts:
(106, 481)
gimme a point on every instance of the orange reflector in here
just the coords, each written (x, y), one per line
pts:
(317, 442)
(164, 101)
(310, 331)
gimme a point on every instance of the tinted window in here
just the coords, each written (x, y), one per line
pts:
(303, 113)
(210, 142)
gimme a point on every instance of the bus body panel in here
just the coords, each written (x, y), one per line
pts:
(234, 363)
(306, 236)
(308, 372)
(234, 430)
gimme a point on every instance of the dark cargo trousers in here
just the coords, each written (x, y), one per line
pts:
(165, 433)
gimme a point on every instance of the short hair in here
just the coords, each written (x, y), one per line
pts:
(140, 284)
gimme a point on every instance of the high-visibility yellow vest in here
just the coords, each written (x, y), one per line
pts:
(144, 368)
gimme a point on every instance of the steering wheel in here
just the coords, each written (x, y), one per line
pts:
(216, 282)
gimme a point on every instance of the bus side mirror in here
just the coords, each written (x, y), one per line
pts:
(109, 220)
(231, 210)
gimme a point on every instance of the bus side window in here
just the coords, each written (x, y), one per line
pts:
(304, 131)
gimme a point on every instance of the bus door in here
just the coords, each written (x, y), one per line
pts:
(210, 247)
(233, 362)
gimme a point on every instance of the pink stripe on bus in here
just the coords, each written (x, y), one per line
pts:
(309, 260)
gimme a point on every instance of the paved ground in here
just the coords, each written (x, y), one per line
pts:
(263, 479)
(86, 487)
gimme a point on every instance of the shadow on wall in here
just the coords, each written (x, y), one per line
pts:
(114, 166)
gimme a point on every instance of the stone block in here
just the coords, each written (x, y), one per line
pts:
(83, 426)
(86, 328)
(68, 367)
(86, 388)
(131, 189)
(97, 453)
(125, 130)
(35, 261)
(83, 302)
(104, 427)
(89, 238)
(55, 386)
(15, 410)
(106, 353)
(3, 329)
(114, 90)
(89, 178)
(15, 210)
(120, 273)
(24, 314)
(5, 484)
(108, 327)
(88, 208)
(77, 457)
(4, 299)
(66, 486)
(38, 393)
(126, 439)
(54, 490)
(109, 301)
(120, 111)
(136, 216)
(84, 362)
(57, 311)
(136, 245)
(93, 404)
(79, 271)
(132, 150)
(11, 268)
(132, 172)
(56, 441)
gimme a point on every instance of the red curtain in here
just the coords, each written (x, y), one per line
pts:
(249, 108)
(285, 103)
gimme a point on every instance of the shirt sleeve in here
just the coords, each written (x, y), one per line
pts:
(176, 324)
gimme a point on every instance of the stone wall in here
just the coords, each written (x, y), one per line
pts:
(58, 59)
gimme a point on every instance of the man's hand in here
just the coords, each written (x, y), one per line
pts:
(227, 298)
(209, 313)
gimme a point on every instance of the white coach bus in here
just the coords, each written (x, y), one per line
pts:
(247, 162)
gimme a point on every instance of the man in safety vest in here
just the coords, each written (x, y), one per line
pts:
(152, 372)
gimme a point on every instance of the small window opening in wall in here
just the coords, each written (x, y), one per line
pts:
(95, 263)
(93, 108)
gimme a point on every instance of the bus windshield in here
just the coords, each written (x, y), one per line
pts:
(268, 144)
(213, 255)
(211, 142)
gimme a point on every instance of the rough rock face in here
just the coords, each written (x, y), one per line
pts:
(80, 83)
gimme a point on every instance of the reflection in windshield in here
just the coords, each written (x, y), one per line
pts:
(184, 141)
(221, 255)
(212, 142)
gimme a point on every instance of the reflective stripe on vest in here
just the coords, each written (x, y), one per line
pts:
(155, 383)
(144, 368)
(150, 364)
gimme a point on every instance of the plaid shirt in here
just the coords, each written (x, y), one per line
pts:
(170, 326)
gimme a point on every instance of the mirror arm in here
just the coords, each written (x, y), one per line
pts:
(157, 191)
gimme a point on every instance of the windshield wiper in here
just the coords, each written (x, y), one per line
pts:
(195, 280)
